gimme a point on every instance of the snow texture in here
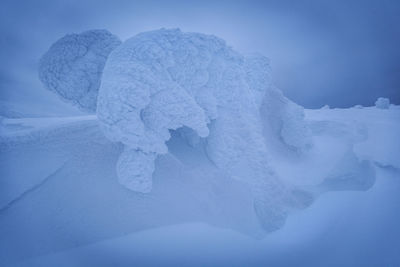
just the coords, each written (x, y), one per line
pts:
(73, 65)
(70, 154)
(284, 120)
(382, 103)
(200, 134)
(167, 80)
(136, 169)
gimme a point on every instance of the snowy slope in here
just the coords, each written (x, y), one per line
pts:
(341, 229)
(32, 151)
(69, 194)
(60, 192)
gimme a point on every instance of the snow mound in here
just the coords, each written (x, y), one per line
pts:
(73, 65)
(382, 103)
(167, 80)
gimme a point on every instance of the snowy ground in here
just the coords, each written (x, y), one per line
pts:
(340, 229)
(72, 211)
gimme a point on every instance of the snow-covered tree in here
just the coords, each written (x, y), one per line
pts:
(167, 80)
(382, 103)
(72, 67)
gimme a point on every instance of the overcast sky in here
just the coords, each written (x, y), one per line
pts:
(339, 53)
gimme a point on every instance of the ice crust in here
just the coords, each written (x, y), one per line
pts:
(73, 65)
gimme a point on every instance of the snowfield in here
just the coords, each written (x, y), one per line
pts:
(341, 229)
(72, 197)
(192, 141)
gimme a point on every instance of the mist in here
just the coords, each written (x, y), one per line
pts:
(339, 53)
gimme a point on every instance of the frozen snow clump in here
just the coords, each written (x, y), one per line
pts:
(281, 119)
(326, 107)
(283, 122)
(73, 66)
(382, 103)
(167, 80)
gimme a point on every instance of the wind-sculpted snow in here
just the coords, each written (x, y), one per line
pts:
(283, 122)
(281, 118)
(73, 65)
(198, 133)
(164, 80)
(167, 80)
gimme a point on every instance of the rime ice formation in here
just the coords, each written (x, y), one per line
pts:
(325, 107)
(167, 80)
(281, 119)
(73, 65)
(164, 80)
(382, 103)
(201, 133)
(135, 170)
